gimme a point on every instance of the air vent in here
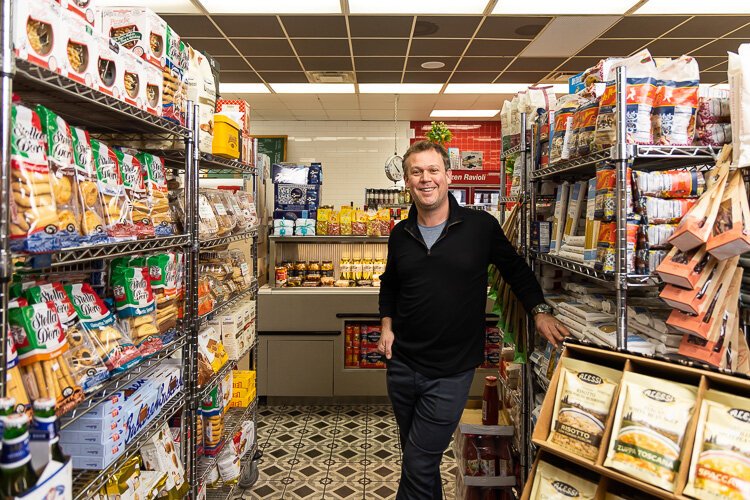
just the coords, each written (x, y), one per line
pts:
(330, 76)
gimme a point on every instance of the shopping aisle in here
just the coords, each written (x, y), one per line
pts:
(332, 452)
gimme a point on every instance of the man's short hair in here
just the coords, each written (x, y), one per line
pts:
(421, 146)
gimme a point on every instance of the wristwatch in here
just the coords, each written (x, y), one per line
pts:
(541, 308)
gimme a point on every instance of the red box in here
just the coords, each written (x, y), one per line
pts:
(236, 106)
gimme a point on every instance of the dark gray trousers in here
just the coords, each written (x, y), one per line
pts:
(427, 412)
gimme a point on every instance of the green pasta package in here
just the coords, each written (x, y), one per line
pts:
(136, 307)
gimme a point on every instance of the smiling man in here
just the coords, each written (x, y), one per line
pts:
(432, 306)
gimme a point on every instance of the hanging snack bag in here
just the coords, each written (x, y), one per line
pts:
(92, 213)
(117, 210)
(33, 215)
(676, 102)
(62, 175)
(111, 343)
(731, 231)
(640, 74)
(131, 172)
(136, 308)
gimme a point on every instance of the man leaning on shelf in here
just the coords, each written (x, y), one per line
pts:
(432, 304)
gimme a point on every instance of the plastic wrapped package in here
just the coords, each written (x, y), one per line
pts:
(226, 222)
(161, 454)
(605, 204)
(584, 127)
(676, 102)
(162, 269)
(206, 299)
(133, 181)
(117, 212)
(669, 184)
(213, 423)
(136, 307)
(208, 224)
(13, 384)
(211, 354)
(92, 212)
(241, 273)
(560, 142)
(664, 211)
(243, 218)
(157, 193)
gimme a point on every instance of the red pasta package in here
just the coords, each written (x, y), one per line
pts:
(676, 102)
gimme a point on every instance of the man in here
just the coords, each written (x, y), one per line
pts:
(432, 304)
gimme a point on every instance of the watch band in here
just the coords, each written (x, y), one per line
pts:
(541, 308)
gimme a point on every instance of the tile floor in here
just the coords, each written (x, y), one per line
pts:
(332, 452)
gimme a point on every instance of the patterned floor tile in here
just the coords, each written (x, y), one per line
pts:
(271, 490)
(346, 472)
(381, 490)
(383, 472)
(343, 490)
(275, 471)
(309, 490)
(307, 471)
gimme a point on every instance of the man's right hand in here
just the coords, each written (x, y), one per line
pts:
(386, 343)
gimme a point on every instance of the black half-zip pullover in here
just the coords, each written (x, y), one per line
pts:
(437, 297)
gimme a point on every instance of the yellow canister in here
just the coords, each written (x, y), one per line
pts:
(227, 140)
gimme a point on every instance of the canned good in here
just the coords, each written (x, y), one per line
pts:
(281, 276)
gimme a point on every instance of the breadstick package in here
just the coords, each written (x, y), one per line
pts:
(117, 210)
(91, 210)
(62, 175)
(162, 269)
(136, 307)
(156, 189)
(33, 215)
(131, 171)
(111, 344)
(13, 385)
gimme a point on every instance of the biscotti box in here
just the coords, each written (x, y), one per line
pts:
(82, 9)
(38, 33)
(110, 65)
(79, 63)
(154, 86)
(139, 30)
(134, 80)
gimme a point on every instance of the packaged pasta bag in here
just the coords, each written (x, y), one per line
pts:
(33, 215)
(560, 143)
(157, 192)
(131, 172)
(136, 307)
(40, 341)
(640, 75)
(63, 176)
(586, 127)
(582, 404)
(117, 209)
(553, 483)
(346, 217)
(111, 344)
(669, 184)
(676, 102)
(359, 225)
(649, 428)
(92, 212)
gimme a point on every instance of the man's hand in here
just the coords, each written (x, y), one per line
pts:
(550, 328)
(386, 342)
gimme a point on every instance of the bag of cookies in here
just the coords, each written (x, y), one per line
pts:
(33, 215)
(247, 205)
(62, 175)
(136, 308)
(117, 212)
(213, 423)
(208, 224)
(133, 180)
(162, 270)
(91, 211)
(156, 189)
(161, 454)
(111, 344)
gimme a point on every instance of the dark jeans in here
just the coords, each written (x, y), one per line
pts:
(427, 412)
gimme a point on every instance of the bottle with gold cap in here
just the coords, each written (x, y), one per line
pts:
(16, 473)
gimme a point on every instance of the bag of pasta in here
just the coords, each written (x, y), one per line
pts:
(92, 212)
(156, 190)
(133, 180)
(676, 102)
(136, 307)
(117, 211)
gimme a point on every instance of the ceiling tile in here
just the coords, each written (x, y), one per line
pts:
(496, 47)
(674, 47)
(338, 101)
(378, 77)
(426, 76)
(278, 47)
(521, 76)
(742, 33)
(710, 26)
(713, 76)
(707, 62)
(238, 77)
(643, 26)
(327, 63)
(437, 47)
(578, 64)
(382, 47)
(232, 63)
(249, 26)
(284, 76)
(415, 63)
(446, 26)
(343, 114)
(474, 76)
(455, 101)
(192, 26)
(380, 26)
(275, 63)
(315, 26)
(535, 63)
(612, 48)
(495, 64)
(379, 63)
(512, 27)
(213, 46)
(724, 66)
(321, 46)
(300, 101)
(719, 47)
(376, 114)
(377, 101)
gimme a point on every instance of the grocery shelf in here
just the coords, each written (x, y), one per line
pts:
(122, 380)
(81, 105)
(233, 419)
(332, 290)
(510, 151)
(515, 394)
(580, 165)
(329, 239)
(207, 162)
(240, 297)
(509, 199)
(227, 492)
(223, 371)
(542, 380)
(87, 483)
(225, 240)
(575, 267)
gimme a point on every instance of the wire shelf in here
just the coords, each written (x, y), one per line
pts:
(510, 151)
(207, 163)
(223, 371)
(581, 165)
(81, 105)
(575, 267)
(509, 199)
(228, 491)
(241, 297)
(225, 240)
(87, 483)
(329, 239)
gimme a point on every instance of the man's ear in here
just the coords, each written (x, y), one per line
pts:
(449, 173)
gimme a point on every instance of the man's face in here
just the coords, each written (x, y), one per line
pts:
(427, 179)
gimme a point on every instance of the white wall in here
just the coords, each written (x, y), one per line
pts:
(353, 153)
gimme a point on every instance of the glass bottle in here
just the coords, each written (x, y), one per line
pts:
(356, 269)
(44, 427)
(367, 268)
(345, 268)
(487, 456)
(16, 473)
(490, 401)
(470, 455)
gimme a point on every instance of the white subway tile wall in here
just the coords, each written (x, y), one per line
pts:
(353, 153)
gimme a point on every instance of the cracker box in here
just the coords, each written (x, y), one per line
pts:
(80, 50)
(152, 99)
(139, 30)
(38, 34)
(110, 65)
(94, 425)
(88, 437)
(236, 106)
(82, 9)
(133, 80)
(232, 327)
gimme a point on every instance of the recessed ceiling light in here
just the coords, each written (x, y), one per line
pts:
(433, 65)
(422, 7)
(485, 88)
(463, 113)
(244, 88)
(558, 8)
(694, 7)
(158, 6)
(275, 7)
(400, 88)
(313, 88)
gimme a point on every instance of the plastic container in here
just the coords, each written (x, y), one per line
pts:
(227, 140)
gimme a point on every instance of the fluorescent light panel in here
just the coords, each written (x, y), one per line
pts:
(562, 7)
(422, 7)
(695, 7)
(463, 113)
(313, 88)
(244, 88)
(158, 6)
(275, 7)
(400, 88)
